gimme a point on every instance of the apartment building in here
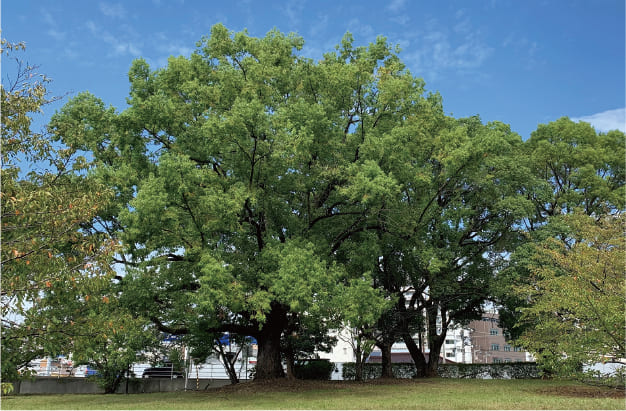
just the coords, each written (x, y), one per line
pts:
(489, 342)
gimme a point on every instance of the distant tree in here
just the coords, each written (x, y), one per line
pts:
(573, 168)
(306, 335)
(110, 339)
(576, 298)
(577, 167)
(461, 202)
(361, 307)
(226, 347)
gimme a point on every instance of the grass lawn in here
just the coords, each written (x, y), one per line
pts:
(377, 394)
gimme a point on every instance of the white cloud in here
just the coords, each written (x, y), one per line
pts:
(53, 30)
(437, 49)
(402, 20)
(396, 5)
(606, 120)
(321, 23)
(115, 10)
(118, 45)
(293, 10)
(360, 30)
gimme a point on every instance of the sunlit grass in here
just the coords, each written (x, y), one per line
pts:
(420, 394)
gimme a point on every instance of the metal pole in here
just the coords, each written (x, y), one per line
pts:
(187, 365)
(197, 379)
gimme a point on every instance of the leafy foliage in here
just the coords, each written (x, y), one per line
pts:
(49, 261)
(572, 168)
(577, 297)
(314, 369)
(58, 295)
(241, 172)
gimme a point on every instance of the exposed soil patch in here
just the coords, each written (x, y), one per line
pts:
(584, 392)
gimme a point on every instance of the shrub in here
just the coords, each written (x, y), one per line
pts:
(318, 369)
(7, 388)
(520, 370)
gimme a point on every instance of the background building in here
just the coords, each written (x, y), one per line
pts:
(489, 342)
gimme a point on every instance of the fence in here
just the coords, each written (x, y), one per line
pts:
(78, 385)
(212, 369)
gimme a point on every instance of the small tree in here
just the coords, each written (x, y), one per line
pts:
(576, 299)
(49, 259)
(361, 308)
(111, 338)
(227, 347)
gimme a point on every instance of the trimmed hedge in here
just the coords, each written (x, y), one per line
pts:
(316, 369)
(503, 371)
(514, 370)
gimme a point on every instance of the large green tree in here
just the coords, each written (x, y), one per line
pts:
(240, 175)
(573, 167)
(462, 199)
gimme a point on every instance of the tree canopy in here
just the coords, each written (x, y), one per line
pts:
(50, 263)
(240, 174)
(257, 192)
(577, 298)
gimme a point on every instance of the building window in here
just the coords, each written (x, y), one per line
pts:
(496, 360)
(449, 341)
(449, 354)
(507, 348)
(495, 347)
(507, 360)
(517, 349)
(493, 331)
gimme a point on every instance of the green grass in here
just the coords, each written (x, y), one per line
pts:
(419, 394)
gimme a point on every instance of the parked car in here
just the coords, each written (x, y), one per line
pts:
(162, 372)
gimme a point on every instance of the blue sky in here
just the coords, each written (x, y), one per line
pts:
(519, 62)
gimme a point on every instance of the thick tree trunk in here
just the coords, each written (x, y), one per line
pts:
(435, 342)
(358, 370)
(359, 360)
(269, 365)
(433, 358)
(387, 371)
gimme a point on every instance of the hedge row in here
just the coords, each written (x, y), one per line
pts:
(515, 370)
(313, 369)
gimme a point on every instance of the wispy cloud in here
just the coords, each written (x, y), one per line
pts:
(437, 51)
(166, 47)
(396, 5)
(53, 27)
(361, 30)
(397, 9)
(320, 25)
(460, 48)
(402, 19)
(118, 45)
(293, 11)
(528, 50)
(115, 10)
(606, 120)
